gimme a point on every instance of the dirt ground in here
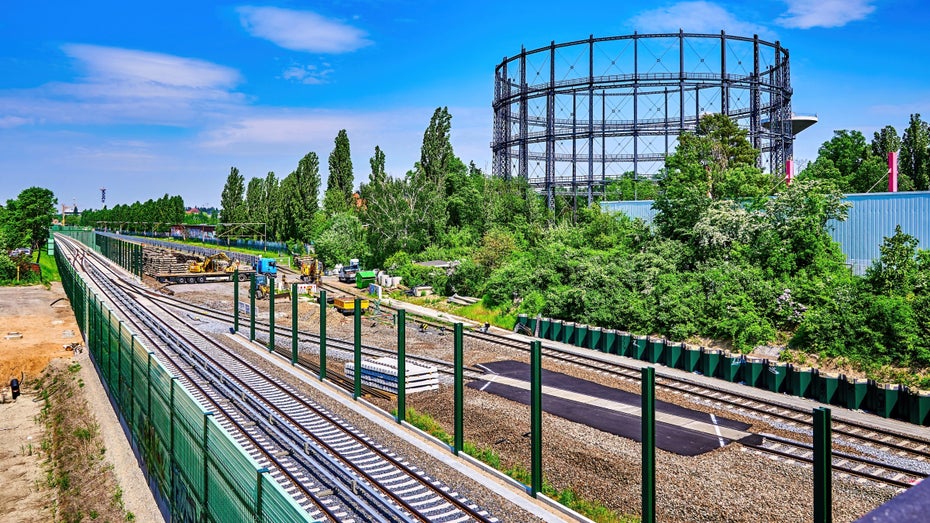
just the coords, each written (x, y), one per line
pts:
(44, 319)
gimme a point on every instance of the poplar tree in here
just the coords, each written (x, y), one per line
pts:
(914, 159)
(341, 180)
(231, 198)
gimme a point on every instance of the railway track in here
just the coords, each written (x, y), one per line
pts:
(331, 468)
(866, 452)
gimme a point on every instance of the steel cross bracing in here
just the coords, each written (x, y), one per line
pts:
(571, 117)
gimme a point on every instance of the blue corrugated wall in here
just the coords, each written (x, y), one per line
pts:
(872, 218)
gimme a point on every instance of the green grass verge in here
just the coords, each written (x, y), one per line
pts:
(49, 268)
(567, 497)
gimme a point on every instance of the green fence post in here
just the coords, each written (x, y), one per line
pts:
(293, 324)
(206, 462)
(358, 348)
(259, 516)
(401, 365)
(271, 293)
(252, 308)
(536, 417)
(649, 444)
(458, 436)
(322, 335)
(823, 467)
(236, 301)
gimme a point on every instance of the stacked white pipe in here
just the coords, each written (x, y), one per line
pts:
(382, 374)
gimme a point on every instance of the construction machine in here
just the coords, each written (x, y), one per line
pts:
(309, 268)
(218, 262)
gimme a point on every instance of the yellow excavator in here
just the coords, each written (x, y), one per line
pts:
(219, 262)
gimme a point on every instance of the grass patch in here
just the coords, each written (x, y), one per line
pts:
(487, 455)
(84, 483)
(49, 268)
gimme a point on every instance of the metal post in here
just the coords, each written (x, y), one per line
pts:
(322, 335)
(271, 313)
(823, 467)
(252, 308)
(459, 391)
(293, 324)
(649, 444)
(401, 365)
(536, 417)
(236, 301)
(358, 348)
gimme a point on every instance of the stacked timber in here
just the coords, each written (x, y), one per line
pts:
(165, 261)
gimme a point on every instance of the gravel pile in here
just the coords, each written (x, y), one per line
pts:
(732, 484)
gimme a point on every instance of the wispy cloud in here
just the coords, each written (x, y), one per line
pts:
(307, 74)
(110, 64)
(694, 17)
(805, 14)
(8, 122)
(301, 30)
(126, 86)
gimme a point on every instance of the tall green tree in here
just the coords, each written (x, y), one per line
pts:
(300, 195)
(377, 166)
(885, 141)
(914, 159)
(436, 152)
(231, 198)
(29, 217)
(716, 162)
(341, 180)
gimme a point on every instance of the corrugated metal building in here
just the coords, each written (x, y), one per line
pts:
(872, 218)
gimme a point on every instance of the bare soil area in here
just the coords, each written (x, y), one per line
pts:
(36, 325)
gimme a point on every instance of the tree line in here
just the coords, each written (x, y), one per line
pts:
(734, 255)
(24, 224)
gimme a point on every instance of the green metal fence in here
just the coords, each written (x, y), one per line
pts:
(888, 401)
(197, 472)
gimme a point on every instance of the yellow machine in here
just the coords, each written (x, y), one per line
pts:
(346, 304)
(216, 263)
(310, 268)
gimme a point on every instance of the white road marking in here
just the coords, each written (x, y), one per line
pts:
(717, 429)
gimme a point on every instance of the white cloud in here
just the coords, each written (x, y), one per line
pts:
(306, 74)
(128, 66)
(694, 17)
(127, 86)
(8, 122)
(301, 30)
(805, 14)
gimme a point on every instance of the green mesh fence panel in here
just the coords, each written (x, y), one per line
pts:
(230, 459)
(277, 506)
(188, 458)
(231, 480)
(187, 411)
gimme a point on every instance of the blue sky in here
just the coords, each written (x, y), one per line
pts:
(148, 98)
